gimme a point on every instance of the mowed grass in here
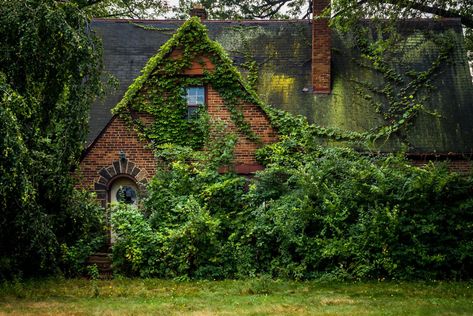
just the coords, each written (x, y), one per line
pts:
(249, 297)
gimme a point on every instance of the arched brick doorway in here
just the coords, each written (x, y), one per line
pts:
(121, 170)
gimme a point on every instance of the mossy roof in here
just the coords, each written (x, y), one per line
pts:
(282, 50)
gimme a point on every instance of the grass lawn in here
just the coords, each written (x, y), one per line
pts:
(250, 297)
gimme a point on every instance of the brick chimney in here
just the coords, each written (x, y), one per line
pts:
(321, 49)
(198, 10)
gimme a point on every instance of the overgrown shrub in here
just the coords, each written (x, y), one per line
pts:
(363, 217)
(313, 212)
(188, 214)
(81, 231)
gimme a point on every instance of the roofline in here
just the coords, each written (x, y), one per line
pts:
(427, 155)
(440, 155)
(119, 20)
(204, 21)
(89, 147)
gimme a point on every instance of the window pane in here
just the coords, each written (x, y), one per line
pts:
(195, 95)
(191, 111)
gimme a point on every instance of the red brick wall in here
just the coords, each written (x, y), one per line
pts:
(462, 166)
(198, 65)
(321, 49)
(245, 161)
(102, 164)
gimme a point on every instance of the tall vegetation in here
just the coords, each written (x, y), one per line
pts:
(49, 74)
(313, 212)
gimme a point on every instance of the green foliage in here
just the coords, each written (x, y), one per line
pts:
(159, 90)
(188, 212)
(93, 273)
(237, 10)
(314, 212)
(131, 9)
(49, 74)
(360, 217)
(403, 91)
(73, 258)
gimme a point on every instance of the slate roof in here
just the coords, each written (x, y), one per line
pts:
(282, 50)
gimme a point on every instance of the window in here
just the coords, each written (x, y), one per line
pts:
(195, 97)
(126, 195)
(123, 190)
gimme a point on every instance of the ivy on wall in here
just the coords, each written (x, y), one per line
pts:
(402, 93)
(398, 94)
(160, 89)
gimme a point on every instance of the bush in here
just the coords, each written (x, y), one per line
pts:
(314, 212)
(341, 212)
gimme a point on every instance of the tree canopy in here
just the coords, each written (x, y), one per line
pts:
(50, 65)
(133, 9)
(343, 12)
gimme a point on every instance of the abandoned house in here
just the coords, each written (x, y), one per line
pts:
(300, 66)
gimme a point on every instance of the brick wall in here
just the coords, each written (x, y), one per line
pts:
(102, 164)
(245, 161)
(459, 165)
(321, 49)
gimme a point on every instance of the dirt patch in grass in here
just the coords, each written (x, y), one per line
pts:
(337, 301)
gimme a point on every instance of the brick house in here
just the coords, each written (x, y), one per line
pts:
(120, 158)
(300, 66)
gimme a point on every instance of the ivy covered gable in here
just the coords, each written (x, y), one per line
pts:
(155, 104)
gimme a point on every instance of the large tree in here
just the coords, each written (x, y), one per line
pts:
(132, 9)
(50, 65)
(348, 11)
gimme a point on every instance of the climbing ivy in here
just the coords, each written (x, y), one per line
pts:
(166, 30)
(159, 91)
(250, 65)
(399, 96)
(402, 94)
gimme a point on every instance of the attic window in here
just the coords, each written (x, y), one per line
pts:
(195, 97)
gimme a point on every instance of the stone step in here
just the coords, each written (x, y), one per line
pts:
(103, 261)
(96, 259)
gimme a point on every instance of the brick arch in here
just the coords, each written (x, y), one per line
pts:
(119, 168)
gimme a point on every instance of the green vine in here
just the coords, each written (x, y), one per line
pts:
(166, 30)
(400, 98)
(159, 90)
(249, 64)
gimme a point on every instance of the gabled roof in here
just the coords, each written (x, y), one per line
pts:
(191, 39)
(282, 51)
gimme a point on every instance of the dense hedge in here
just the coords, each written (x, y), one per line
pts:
(313, 212)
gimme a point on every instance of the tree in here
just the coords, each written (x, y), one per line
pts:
(299, 8)
(132, 9)
(50, 65)
(345, 12)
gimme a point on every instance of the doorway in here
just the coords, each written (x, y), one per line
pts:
(124, 190)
